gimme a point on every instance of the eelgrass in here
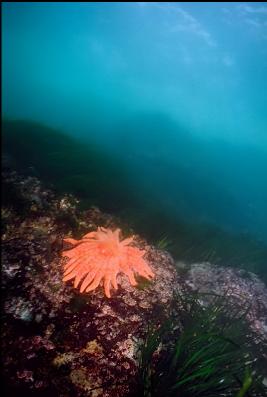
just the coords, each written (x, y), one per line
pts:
(202, 351)
(164, 242)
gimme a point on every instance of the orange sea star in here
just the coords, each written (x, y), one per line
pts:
(101, 256)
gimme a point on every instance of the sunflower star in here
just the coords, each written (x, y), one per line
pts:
(101, 256)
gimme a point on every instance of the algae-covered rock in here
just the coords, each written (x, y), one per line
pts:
(59, 342)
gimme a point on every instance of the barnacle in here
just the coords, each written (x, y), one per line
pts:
(101, 256)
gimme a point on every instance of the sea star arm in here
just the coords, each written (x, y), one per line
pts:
(96, 281)
(70, 240)
(88, 280)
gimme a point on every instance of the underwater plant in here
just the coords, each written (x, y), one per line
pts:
(164, 242)
(201, 351)
(101, 256)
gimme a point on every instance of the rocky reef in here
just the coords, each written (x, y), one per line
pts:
(59, 342)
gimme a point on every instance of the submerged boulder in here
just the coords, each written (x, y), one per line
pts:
(56, 340)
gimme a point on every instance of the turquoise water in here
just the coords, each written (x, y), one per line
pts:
(173, 95)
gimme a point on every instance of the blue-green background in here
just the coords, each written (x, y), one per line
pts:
(175, 93)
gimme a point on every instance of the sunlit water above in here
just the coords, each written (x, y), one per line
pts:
(173, 94)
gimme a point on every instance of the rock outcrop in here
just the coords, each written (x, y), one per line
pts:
(59, 342)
